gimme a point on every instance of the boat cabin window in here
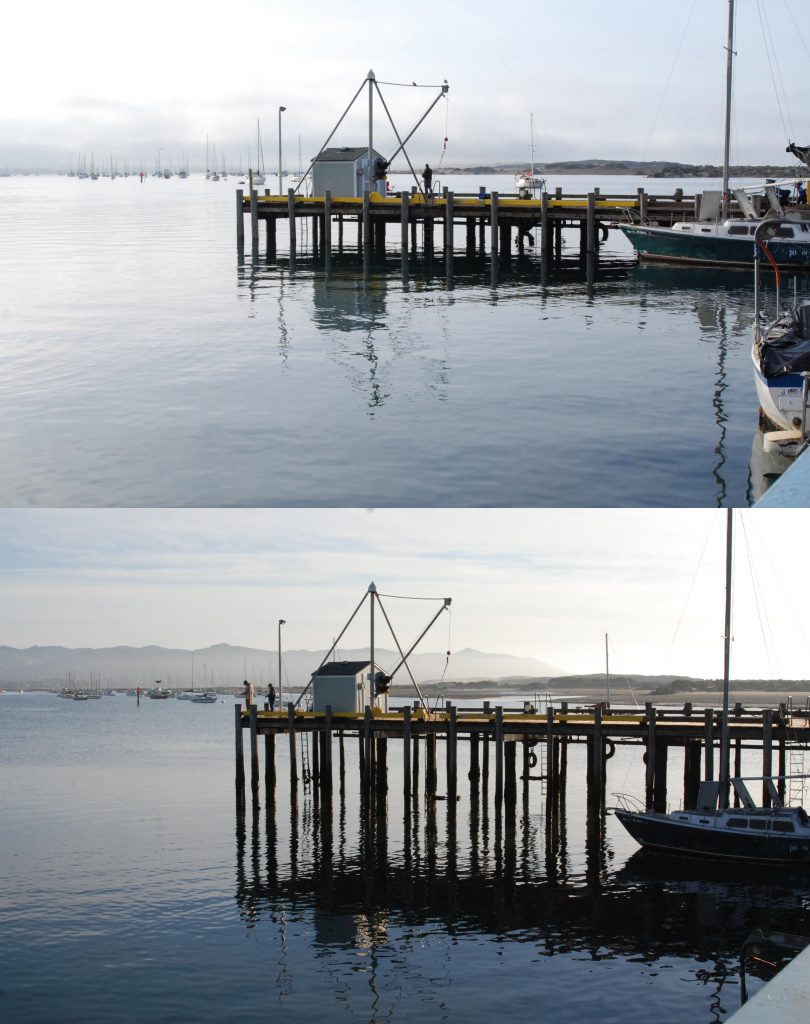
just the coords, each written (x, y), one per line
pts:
(782, 826)
(738, 823)
(759, 823)
(782, 232)
(738, 229)
(706, 231)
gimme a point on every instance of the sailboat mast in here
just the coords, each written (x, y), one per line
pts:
(727, 139)
(607, 669)
(724, 739)
(531, 132)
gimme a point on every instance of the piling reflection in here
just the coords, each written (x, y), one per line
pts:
(363, 875)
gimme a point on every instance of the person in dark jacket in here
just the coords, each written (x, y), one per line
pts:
(427, 177)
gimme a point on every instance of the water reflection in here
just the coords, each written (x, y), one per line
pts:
(508, 877)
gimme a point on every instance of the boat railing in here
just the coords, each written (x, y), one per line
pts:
(628, 802)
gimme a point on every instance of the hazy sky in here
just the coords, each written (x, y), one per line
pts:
(541, 583)
(630, 78)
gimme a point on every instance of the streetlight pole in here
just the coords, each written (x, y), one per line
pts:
(281, 622)
(280, 110)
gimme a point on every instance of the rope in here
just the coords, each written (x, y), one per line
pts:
(405, 597)
(447, 659)
(669, 77)
(446, 119)
(411, 85)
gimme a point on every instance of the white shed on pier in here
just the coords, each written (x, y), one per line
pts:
(344, 172)
(345, 686)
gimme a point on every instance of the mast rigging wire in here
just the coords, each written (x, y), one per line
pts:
(767, 39)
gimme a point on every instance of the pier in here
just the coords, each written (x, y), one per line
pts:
(492, 224)
(496, 749)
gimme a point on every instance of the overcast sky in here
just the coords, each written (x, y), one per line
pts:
(635, 79)
(540, 583)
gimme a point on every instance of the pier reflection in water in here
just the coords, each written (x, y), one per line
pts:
(411, 908)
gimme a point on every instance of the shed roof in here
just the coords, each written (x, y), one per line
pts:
(347, 153)
(342, 668)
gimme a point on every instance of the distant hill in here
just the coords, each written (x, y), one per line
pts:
(227, 665)
(647, 168)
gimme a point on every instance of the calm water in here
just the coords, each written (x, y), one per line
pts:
(144, 364)
(130, 890)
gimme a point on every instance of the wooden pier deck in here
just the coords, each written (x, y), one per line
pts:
(496, 734)
(494, 225)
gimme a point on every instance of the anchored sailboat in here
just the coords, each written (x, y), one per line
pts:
(749, 832)
(717, 239)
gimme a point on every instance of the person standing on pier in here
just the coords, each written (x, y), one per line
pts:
(427, 177)
(271, 697)
(250, 698)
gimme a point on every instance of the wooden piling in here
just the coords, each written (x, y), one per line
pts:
(326, 760)
(452, 752)
(406, 754)
(431, 778)
(366, 244)
(240, 750)
(767, 753)
(415, 769)
(254, 220)
(327, 227)
(691, 773)
(291, 216)
(660, 777)
(269, 762)
(404, 217)
(642, 204)
(598, 750)
(650, 755)
(591, 224)
(475, 761)
(499, 755)
(708, 749)
(493, 226)
(293, 758)
(240, 219)
(316, 757)
(449, 214)
(367, 748)
(254, 751)
(510, 774)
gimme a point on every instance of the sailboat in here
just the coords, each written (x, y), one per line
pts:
(781, 356)
(749, 832)
(717, 239)
(527, 181)
(258, 174)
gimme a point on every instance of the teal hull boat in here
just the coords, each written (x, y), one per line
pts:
(729, 244)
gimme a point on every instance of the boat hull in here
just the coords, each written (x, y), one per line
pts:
(665, 245)
(780, 397)
(660, 832)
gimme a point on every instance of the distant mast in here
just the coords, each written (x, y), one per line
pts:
(607, 670)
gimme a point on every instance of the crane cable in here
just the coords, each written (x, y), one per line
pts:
(446, 119)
